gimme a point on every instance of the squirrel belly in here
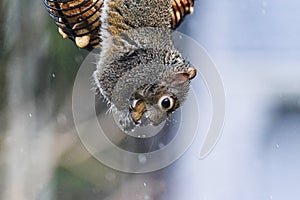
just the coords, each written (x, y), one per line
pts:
(120, 16)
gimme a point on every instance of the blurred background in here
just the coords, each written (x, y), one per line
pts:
(256, 47)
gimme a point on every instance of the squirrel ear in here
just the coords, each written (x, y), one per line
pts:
(192, 73)
(182, 77)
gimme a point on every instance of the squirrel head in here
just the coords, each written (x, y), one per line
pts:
(157, 100)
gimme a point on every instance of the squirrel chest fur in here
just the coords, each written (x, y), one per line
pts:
(140, 73)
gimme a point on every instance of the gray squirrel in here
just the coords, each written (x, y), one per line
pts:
(140, 73)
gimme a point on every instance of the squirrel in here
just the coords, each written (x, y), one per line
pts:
(140, 73)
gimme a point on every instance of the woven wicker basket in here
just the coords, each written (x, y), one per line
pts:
(79, 20)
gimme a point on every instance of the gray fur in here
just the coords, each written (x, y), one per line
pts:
(140, 61)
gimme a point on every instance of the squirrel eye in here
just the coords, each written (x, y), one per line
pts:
(166, 103)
